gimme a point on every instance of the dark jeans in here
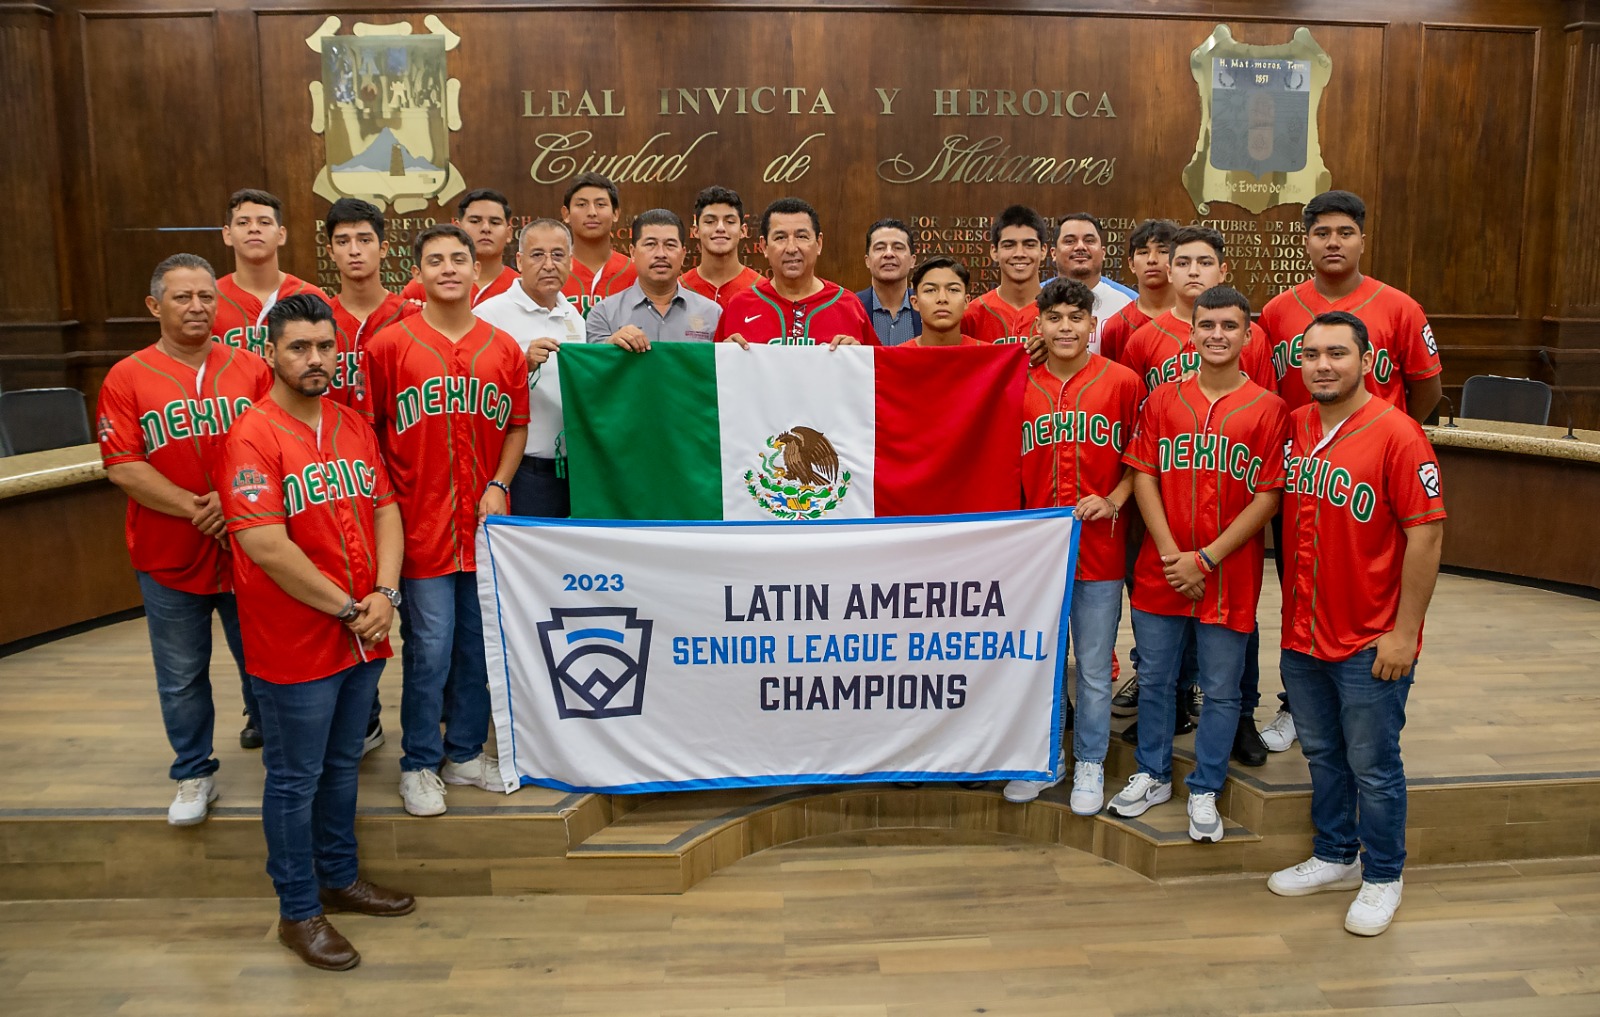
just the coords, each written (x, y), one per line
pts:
(1349, 726)
(445, 674)
(180, 645)
(311, 743)
(537, 491)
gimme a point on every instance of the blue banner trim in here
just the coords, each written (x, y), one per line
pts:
(784, 780)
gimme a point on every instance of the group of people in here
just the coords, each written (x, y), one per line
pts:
(306, 467)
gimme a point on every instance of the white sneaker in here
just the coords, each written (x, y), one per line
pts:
(373, 739)
(1088, 788)
(482, 770)
(1204, 823)
(1020, 791)
(1373, 909)
(194, 798)
(1279, 735)
(1142, 792)
(1314, 875)
(423, 792)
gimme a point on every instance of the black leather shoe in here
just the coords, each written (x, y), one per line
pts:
(1248, 748)
(318, 944)
(250, 737)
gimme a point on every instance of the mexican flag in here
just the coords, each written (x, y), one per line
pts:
(712, 431)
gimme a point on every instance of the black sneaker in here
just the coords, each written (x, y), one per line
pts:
(1248, 748)
(373, 739)
(1191, 701)
(250, 737)
(1126, 702)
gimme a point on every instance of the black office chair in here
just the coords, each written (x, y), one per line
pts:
(1514, 400)
(38, 419)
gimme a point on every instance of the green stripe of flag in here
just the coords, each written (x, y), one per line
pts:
(642, 422)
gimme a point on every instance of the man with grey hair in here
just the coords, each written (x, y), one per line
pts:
(657, 307)
(163, 416)
(539, 318)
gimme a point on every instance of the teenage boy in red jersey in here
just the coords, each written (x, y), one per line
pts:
(450, 405)
(1208, 451)
(362, 308)
(1405, 371)
(719, 227)
(1150, 260)
(1163, 349)
(794, 307)
(1005, 314)
(163, 415)
(485, 215)
(591, 208)
(256, 233)
(1362, 486)
(939, 296)
(309, 503)
(1079, 410)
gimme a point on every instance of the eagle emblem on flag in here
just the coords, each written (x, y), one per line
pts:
(800, 476)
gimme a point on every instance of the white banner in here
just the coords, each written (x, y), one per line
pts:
(632, 657)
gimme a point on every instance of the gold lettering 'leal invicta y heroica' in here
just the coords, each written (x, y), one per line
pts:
(385, 107)
(1258, 144)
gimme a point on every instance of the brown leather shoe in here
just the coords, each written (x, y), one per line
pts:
(318, 944)
(364, 898)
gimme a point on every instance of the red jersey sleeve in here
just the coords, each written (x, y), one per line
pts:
(379, 367)
(1274, 435)
(121, 440)
(1256, 359)
(863, 321)
(1411, 476)
(1417, 348)
(251, 486)
(1144, 451)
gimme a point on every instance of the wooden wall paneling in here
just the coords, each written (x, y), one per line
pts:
(1578, 259)
(1471, 175)
(151, 87)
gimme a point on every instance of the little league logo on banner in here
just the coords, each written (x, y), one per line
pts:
(631, 657)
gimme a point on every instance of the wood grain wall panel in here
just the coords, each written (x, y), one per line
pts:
(30, 290)
(1471, 178)
(153, 108)
(1579, 256)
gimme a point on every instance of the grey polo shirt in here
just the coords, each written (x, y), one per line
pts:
(690, 318)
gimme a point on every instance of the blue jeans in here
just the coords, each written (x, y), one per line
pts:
(1220, 653)
(441, 624)
(1096, 610)
(1186, 676)
(311, 744)
(1349, 725)
(180, 645)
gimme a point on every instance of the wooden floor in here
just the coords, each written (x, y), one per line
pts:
(1508, 687)
(850, 929)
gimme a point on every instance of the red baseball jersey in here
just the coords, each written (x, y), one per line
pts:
(349, 385)
(1163, 350)
(1401, 337)
(414, 292)
(585, 288)
(1211, 459)
(1349, 497)
(324, 486)
(762, 316)
(1073, 436)
(992, 320)
(441, 410)
(157, 410)
(1116, 330)
(724, 293)
(242, 318)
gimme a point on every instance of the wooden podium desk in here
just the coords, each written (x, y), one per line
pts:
(62, 552)
(1522, 501)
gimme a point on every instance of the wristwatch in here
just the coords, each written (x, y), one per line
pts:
(393, 595)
